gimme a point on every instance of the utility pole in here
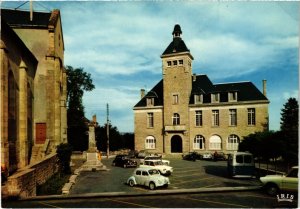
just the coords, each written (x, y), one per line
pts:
(107, 130)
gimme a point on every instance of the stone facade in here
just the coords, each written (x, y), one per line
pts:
(33, 96)
(37, 120)
(18, 69)
(186, 112)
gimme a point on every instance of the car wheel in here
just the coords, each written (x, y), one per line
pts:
(151, 186)
(131, 183)
(124, 165)
(272, 189)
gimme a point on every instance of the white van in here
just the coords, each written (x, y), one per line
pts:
(241, 165)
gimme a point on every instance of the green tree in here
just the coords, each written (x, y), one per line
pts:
(117, 140)
(263, 145)
(78, 82)
(289, 128)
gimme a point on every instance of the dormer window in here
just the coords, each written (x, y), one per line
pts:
(150, 101)
(215, 98)
(232, 96)
(198, 98)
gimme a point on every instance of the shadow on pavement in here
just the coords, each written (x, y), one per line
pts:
(216, 170)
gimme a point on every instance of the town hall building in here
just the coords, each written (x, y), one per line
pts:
(185, 112)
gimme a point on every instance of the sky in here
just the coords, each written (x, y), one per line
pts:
(120, 42)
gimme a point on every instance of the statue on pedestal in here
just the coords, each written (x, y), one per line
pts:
(93, 161)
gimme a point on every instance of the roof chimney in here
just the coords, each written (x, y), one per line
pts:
(194, 77)
(142, 93)
(31, 10)
(264, 87)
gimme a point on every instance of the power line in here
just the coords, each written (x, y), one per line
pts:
(35, 2)
(21, 4)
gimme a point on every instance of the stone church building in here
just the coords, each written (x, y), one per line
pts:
(185, 112)
(33, 87)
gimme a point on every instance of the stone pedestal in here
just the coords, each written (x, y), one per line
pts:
(93, 163)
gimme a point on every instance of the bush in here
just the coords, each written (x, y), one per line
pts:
(64, 152)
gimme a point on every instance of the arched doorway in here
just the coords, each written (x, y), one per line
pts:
(176, 144)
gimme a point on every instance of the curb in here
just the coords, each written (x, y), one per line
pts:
(151, 193)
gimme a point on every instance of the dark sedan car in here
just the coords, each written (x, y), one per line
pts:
(193, 156)
(124, 161)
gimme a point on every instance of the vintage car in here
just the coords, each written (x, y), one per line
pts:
(157, 164)
(124, 161)
(148, 177)
(153, 157)
(275, 183)
(207, 156)
(192, 156)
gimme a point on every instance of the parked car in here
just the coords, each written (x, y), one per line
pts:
(142, 154)
(275, 183)
(153, 157)
(207, 156)
(193, 156)
(219, 156)
(133, 154)
(148, 177)
(157, 164)
(124, 161)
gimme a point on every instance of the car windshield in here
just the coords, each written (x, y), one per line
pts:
(153, 172)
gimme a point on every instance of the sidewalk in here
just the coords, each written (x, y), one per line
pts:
(146, 193)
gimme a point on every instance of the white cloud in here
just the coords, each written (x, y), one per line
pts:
(293, 94)
(121, 39)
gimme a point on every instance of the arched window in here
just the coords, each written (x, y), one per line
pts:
(233, 142)
(199, 142)
(215, 143)
(150, 142)
(176, 119)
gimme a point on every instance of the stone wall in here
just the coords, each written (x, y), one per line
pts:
(24, 182)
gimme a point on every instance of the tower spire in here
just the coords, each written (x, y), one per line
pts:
(177, 31)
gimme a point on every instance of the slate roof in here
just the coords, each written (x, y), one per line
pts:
(6, 30)
(156, 92)
(15, 18)
(246, 91)
(176, 46)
